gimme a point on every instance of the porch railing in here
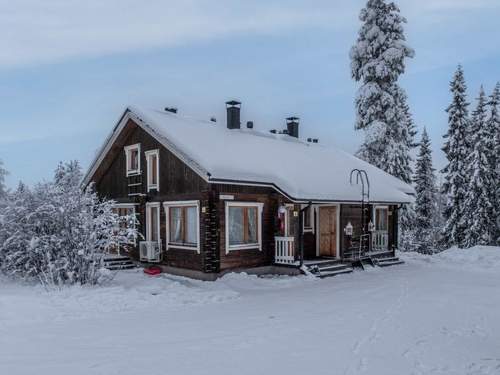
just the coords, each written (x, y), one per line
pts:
(380, 240)
(284, 252)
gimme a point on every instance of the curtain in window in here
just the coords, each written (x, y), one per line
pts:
(381, 217)
(191, 225)
(176, 224)
(134, 154)
(235, 226)
(252, 225)
(154, 212)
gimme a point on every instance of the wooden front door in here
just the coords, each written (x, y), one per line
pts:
(328, 231)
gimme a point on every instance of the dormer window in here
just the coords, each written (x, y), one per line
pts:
(132, 159)
(153, 168)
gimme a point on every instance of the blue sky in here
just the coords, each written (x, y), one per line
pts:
(69, 68)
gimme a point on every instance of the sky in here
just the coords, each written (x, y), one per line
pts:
(69, 68)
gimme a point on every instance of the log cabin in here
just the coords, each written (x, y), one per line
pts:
(212, 197)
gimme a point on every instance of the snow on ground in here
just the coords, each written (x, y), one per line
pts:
(432, 315)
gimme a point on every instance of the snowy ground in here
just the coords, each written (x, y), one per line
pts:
(438, 315)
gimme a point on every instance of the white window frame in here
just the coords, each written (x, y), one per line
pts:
(150, 205)
(311, 218)
(128, 149)
(170, 204)
(252, 246)
(134, 213)
(148, 155)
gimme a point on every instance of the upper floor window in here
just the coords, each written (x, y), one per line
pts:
(133, 159)
(153, 168)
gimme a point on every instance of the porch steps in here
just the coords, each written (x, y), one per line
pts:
(328, 268)
(387, 261)
(115, 263)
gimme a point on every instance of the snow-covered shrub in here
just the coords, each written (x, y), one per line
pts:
(58, 233)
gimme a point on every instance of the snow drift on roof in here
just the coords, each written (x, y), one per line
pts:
(304, 171)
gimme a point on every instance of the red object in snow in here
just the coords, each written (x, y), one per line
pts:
(153, 270)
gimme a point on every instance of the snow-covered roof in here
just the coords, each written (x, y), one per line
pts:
(301, 170)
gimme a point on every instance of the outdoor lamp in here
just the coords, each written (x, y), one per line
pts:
(348, 229)
(371, 226)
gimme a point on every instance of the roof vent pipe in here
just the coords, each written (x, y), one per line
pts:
(250, 124)
(292, 125)
(233, 108)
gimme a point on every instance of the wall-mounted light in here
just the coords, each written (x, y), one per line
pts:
(371, 226)
(348, 230)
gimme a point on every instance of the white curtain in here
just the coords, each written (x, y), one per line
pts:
(252, 225)
(176, 224)
(235, 225)
(191, 225)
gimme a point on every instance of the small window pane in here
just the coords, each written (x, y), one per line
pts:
(153, 220)
(154, 165)
(176, 224)
(191, 225)
(134, 160)
(235, 225)
(381, 219)
(307, 217)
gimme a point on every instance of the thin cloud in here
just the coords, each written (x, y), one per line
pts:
(44, 31)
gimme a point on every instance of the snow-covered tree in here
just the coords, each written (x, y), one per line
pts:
(3, 188)
(377, 61)
(479, 199)
(456, 148)
(493, 126)
(57, 233)
(425, 201)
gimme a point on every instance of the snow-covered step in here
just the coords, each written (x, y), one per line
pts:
(121, 267)
(392, 261)
(322, 275)
(334, 267)
(114, 263)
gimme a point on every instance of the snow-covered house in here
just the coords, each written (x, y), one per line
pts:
(213, 197)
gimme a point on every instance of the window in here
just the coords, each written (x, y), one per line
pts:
(308, 219)
(243, 226)
(183, 228)
(122, 210)
(153, 168)
(285, 218)
(132, 159)
(153, 222)
(381, 218)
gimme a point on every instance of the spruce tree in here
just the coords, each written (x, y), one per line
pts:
(456, 148)
(3, 188)
(425, 202)
(493, 126)
(377, 61)
(479, 203)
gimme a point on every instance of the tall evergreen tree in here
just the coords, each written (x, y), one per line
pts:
(479, 203)
(456, 148)
(425, 202)
(377, 61)
(493, 126)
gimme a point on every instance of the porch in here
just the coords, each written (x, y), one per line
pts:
(335, 233)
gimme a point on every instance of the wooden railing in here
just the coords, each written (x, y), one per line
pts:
(380, 240)
(284, 252)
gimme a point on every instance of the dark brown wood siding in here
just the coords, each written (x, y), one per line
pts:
(248, 257)
(178, 182)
